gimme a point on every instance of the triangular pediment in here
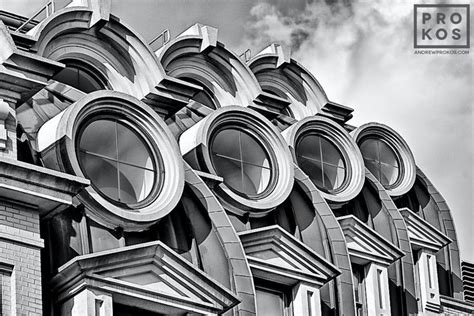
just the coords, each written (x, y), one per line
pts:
(422, 234)
(365, 244)
(273, 254)
(151, 272)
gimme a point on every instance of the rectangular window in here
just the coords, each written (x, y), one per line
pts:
(309, 297)
(7, 291)
(430, 272)
(358, 279)
(380, 288)
(270, 302)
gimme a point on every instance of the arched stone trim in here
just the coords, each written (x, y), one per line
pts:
(197, 54)
(449, 257)
(337, 243)
(56, 141)
(289, 79)
(239, 270)
(194, 144)
(110, 48)
(402, 271)
(344, 143)
(400, 148)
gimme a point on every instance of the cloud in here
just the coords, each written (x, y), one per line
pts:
(362, 54)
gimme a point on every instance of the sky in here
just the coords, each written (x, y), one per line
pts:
(362, 53)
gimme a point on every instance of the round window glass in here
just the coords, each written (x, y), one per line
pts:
(321, 161)
(242, 161)
(381, 160)
(117, 161)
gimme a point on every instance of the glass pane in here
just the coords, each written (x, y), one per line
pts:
(373, 167)
(269, 303)
(387, 155)
(131, 148)
(101, 238)
(333, 177)
(331, 154)
(102, 173)
(230, 170)
(369, 149)
(135, 183)
(78, 79)
(253, 152)
(309, 147)
(388, 175)
(227, 143)
(99, 138)
(313, 169)
(203, 98)
(255, 179)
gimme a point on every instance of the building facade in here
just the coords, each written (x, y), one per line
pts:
(183, 180)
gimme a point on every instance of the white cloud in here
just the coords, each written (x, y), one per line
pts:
(362, 54)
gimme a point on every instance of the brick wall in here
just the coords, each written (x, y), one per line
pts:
(20, 266)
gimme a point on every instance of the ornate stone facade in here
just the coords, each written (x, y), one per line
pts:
(187, 181)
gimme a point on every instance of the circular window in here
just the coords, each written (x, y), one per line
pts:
(117, 160)
(242, 161)
(328, 156)
(381, 160)
(321, 161)
(245, 157)
(80, 76)
(387, 157)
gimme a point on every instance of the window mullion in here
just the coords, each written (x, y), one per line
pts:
(117, 161)
(241, 161)
(322, 162)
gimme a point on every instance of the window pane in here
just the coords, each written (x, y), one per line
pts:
(313, 169)
(388, 175)
(242, 161)
(203, 98)
(309, 147)
(99, 138)
(333, 177)
(330, 154)
(255, 179)
(369, 149)
(327, 171)
(230, 170)
(78, 79)
(227, 143)
(387, 155)
(252, 151)
(380, 288)
(135, 183)
(269, 303)
(107, 144)
(102, 173)
(132, 149)
(373, 167)
(101, 238)
(381, 160)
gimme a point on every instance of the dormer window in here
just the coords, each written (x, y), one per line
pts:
(425, 241)
(287, 274)
(370, 256)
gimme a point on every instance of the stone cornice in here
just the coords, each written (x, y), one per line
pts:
(273, 254)
(365, 245)
(422, 234)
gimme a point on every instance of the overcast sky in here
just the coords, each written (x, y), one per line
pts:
(362, 54)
